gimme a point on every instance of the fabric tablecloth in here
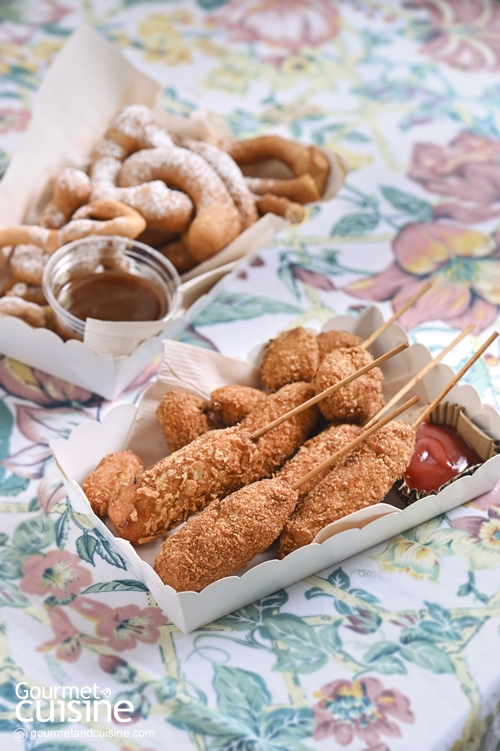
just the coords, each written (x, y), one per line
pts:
(397, 648)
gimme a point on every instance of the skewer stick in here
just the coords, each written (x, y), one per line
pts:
(427, 411)
(418, 377)
(329, 391)
(350, 446)
(396, 315)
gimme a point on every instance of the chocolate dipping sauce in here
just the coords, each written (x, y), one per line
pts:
(114, 296)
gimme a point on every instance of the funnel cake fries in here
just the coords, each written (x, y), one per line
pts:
(183, 418)
(361, 479)
(291, 356)
(98, 218)
(230, 404)
(70, 190)
(301, 159)
(216, 220)
(360, 399)
(112, 473)
(225, 536)
(300, 189)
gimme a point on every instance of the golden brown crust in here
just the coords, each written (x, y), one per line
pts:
(182, 417)
(112, 473)
(230, 404)
(359, 480)
(280, 443)
(313, 452)
(170, 491)
(225, 536)
(291, 356)
(360, 399)
(335, 339)
(29, 312)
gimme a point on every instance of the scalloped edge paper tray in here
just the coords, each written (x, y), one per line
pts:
(84, 87)
(199, 371)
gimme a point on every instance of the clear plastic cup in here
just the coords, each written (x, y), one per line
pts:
(78, 263)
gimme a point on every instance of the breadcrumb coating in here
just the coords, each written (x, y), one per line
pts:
(280, 443)
(362, 480)
(182, 417)
(112, 473)
(360, 399)
(230, 404)
(335, 339)
(315, 451)
(225, 536)
(291, 356)
(166, 494)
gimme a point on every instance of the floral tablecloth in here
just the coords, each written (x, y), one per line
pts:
(397, 648)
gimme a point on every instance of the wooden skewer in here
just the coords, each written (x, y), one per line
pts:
(329, 391)
(396, 315)
(418, 377)
(427, 411)
(350, 446)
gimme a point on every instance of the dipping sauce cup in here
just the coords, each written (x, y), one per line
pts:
(109, 278)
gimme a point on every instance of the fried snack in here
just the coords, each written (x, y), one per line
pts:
(291, 356)
(216, 221)
(280, 443)
(335, 339)
(225, 536)
(361, 479)
(114, 218)
(229, 173)
(178, 254)
(230, 404)
(360, 399)
(315, 451)
(270, 204)
(136, 127)
(182, 417)
(301, 189)
(162, 208)
(27, 262)
(29, 312)
(301, 159)
(27, 292)
(70, 190)
(112, 473)
(170, 491)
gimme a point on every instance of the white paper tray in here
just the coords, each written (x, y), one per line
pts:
(86, 84)
(127, 426)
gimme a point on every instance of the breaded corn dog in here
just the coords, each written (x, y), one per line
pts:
(230, 404)
(182, 417)
(335, 339)
(363, 479)
(360, 399)
(280, 443)
(167, 493)
(112, 473)
(315, 451)
(225, 536)
(291, 356)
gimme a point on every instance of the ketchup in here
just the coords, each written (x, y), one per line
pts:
(440, 454)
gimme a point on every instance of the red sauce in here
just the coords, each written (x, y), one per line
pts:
(440, 454)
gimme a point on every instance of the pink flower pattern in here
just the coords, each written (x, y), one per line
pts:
(57, 573)
(67, 639)
(359, 708)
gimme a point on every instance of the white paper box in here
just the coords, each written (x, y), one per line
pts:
(86, 84)
(129, 427)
